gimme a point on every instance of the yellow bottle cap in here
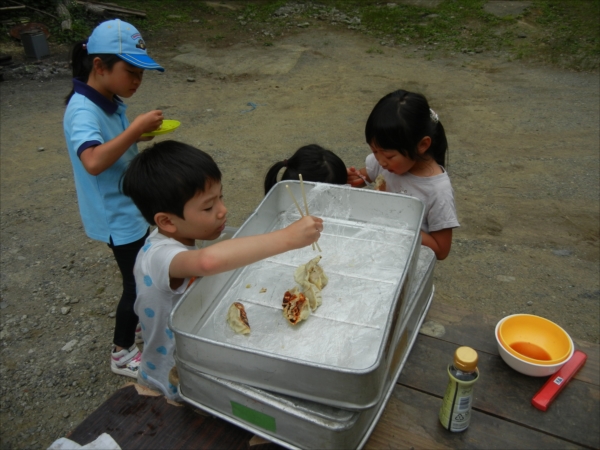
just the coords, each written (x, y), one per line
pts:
(465, 359)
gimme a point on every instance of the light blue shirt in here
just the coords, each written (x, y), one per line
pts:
(90, 120)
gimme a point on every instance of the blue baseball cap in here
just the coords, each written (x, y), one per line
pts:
(120, 38)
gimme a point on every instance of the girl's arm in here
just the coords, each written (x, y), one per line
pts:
(239, 252)
(439, 241)
(99, 158)
(354, 176)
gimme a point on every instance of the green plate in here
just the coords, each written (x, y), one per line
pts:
(166, 127)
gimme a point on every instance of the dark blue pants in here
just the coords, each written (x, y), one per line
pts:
(126, 320)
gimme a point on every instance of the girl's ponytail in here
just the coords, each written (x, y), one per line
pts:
(439, 144)
(81, 64)
(314, 163)
(271, 178)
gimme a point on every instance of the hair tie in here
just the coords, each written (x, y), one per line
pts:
(285, 163)
(434, 117)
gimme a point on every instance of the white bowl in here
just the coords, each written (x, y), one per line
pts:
(525, 367)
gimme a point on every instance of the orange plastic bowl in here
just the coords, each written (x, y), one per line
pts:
(534, 339)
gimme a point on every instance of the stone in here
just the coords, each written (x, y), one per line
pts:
(505, 278)
(503, 8)
(69, 346)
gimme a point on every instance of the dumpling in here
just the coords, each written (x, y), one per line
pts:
(312, 278)
(295, 306)
(380, 184)
(237, 318)
(313, 294)
(315, 272)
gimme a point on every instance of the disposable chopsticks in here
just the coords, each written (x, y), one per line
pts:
(305, 205)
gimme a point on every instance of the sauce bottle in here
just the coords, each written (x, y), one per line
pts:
(455, 412)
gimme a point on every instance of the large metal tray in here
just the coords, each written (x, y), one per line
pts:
(339, 356)
(296, 423)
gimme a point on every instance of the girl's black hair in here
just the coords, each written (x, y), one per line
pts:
(400, 120)
(165, 176)
(314, 163)
(82, 64)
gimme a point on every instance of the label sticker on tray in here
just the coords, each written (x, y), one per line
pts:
(252, 416)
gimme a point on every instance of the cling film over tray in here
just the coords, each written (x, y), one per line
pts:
(363, 262)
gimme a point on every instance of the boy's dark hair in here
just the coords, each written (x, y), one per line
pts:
(165, 176)
(400, 120)
(83, 63)
(314, 163)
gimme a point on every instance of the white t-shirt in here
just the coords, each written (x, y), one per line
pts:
(155, 300)
(435, 192)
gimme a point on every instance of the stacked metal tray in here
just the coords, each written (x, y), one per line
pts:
(342, 354)
(297, 423)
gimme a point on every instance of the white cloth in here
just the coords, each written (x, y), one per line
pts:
(435, 192)
(155, 300)
(102, 442)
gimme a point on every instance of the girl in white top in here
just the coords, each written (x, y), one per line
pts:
(409, 149)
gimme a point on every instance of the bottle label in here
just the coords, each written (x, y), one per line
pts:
(455, 413)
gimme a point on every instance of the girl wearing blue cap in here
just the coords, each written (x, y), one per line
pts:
(101, 142)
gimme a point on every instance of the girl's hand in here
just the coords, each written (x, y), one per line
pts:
(305, 231)
(354, 177)
(149, 121)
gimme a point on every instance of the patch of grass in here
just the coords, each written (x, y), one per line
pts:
(559, 32)
(164, 14)
(570, 34)
(375, 50)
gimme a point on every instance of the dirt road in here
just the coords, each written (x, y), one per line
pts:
(523, 160)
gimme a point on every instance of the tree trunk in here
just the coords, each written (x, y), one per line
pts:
(63, 14)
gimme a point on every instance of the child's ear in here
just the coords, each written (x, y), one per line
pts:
(164, 222)
(98, 66)
(424, 145)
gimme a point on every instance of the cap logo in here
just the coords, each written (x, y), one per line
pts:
(136, 35)
(141, 44)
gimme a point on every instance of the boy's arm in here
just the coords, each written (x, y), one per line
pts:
(439, 241)
(239, 252)
(100, 157)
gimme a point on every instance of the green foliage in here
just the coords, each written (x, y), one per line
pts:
(573, 35)
(565, 33)
(165, 14)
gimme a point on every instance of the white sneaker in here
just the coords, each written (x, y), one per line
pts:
(138, 334)
(126, 362)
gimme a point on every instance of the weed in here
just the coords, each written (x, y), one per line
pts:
(375, 50)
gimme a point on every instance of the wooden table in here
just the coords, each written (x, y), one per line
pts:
(503, 416)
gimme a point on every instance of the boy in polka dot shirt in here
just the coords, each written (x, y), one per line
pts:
(178, 188)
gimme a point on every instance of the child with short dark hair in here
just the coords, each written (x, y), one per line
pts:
(313, 162)
(409, 146)
(178, 188)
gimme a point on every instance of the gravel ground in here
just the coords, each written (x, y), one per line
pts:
(524, 163)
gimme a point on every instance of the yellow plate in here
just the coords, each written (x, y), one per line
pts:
(166, 127)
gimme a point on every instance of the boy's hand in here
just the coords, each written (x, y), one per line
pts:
(149, 121)
(305, 231)
(354, 179)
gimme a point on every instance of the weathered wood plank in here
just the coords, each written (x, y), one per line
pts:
(477, 330)
(144, 422)
(505, 393)
(410, 420)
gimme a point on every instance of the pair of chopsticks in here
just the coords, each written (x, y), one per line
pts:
(305, 204)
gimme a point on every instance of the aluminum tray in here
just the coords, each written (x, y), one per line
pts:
(339, 356)
(296, 423)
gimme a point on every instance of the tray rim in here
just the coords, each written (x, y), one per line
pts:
(369, 430)
(416, 243)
